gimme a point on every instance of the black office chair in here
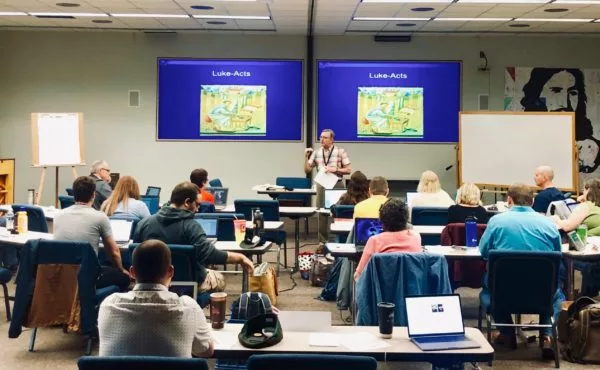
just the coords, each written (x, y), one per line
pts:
(312, 362)
(141, 363)
(36, 220)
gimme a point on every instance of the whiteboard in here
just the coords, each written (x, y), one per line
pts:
(57, 139)
(503, 148)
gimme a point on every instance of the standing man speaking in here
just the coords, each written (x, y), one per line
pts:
(332, 159)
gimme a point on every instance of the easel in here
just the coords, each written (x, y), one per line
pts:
(40, 190)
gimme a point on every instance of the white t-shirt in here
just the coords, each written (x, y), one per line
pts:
(438, 199)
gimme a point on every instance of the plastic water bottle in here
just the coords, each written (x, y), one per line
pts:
(471, 232)
(10, 220)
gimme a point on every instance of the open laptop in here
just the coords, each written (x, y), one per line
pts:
(409, 197)
(189, 288)
(220, 195)
(364, 228)
(332, 196)
(153, 191)
(121, 230)
(435, 323)
(209, 225)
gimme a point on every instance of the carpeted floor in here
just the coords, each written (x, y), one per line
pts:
(55, 350)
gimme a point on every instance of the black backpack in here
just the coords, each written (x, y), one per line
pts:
(250, 304)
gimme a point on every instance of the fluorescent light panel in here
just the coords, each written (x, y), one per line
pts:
(145, 15)
(60, 14)
(575, 2)
(573, 20)
(12, 13)
(247, 17)
(388, 19)
(505, 1)
(406, 1)
(474, 19)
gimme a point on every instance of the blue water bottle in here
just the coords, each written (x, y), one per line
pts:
(471, 231)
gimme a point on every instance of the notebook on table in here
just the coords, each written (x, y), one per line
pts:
(364, 228)
(121, 230)
(332, 196)
(436, 323)
(209, 225)
(220, 195)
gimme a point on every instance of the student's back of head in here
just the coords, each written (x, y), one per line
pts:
(151, 261)
(84, 188)
(183, 191)
(378, 186)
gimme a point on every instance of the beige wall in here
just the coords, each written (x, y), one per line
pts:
(91, 72)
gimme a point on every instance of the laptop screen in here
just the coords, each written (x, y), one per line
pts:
(189, 288)
(364, 228)
(409, 197)
(209, 225)
(121, 230)
(332, 196)
(220, 195)
(434, 315)
(153, 191)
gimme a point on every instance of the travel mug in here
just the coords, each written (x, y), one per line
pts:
(385, 312)
(217, 309)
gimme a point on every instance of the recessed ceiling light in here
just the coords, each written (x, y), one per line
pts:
(145, 15)
(55, 14)
(202, 7)
(474, 19)
(519, 25)
(216, 22)
(422, 9)
(407, 1)
(12, 13)
(246, 17)
(101, 21)
(575, 20)
(556, 10)
(506, 1)
(405, 24)
(68, 5)
(388, 19)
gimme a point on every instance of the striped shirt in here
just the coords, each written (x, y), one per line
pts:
(336, 157)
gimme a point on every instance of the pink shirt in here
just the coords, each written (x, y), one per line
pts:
(388, 242)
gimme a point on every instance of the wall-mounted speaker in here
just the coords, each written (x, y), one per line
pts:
(134, 98)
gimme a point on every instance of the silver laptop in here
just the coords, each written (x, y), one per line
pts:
(332, 196)
(189, 288)
(435, 323)
(220, 195)
(409, 197)
(121, 230)
(209, 225)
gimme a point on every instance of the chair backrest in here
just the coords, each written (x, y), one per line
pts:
(313, 362)
(36, 220)
(69, 191)
(269, 208)
(215, 183)
(225, 229)
(141, 363)
(523, 282)
(429, 216)
(342, 211)
(66, 201)
(389, 277)
(152, 202)
(454, 234)
(294, 183)
(206, 207)
(183, 258)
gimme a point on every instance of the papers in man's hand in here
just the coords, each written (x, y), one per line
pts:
(323, 340)
(326, 179)
(224, 340)
(359, 342)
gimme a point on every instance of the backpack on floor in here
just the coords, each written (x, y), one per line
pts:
(581, 337)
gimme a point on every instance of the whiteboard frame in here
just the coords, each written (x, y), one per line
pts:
(574, 156)
(35, 157)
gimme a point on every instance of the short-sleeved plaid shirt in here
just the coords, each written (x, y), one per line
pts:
(335, 157)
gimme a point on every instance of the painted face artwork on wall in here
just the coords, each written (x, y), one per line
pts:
(559, 90)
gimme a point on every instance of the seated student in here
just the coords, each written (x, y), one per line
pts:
(543, 179)
(378, 192)
(430, 192)
(174, 224)
(81, 222)
(199, 177)
(125, 199)
(100, 172)
(467, 205)
(150, 320)
(357, 191)
(396, 237)
(521, 229)
(586, 213)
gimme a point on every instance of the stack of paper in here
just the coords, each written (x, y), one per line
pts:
(360, 342)
(323, 340)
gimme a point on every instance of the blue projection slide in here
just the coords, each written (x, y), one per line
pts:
(389, 101)
(200, 99)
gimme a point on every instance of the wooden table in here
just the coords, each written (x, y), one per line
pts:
(269, 225)
(296, 213)
(400, 347)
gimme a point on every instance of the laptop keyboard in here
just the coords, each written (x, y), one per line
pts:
(446, 338)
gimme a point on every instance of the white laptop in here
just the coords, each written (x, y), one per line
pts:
(332, 196)
(121, 230)
(409, 197)
(189, 288)
(436, 323)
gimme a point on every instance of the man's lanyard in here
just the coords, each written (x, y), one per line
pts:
(328, 158)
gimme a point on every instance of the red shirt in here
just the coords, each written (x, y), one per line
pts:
(205, 196)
